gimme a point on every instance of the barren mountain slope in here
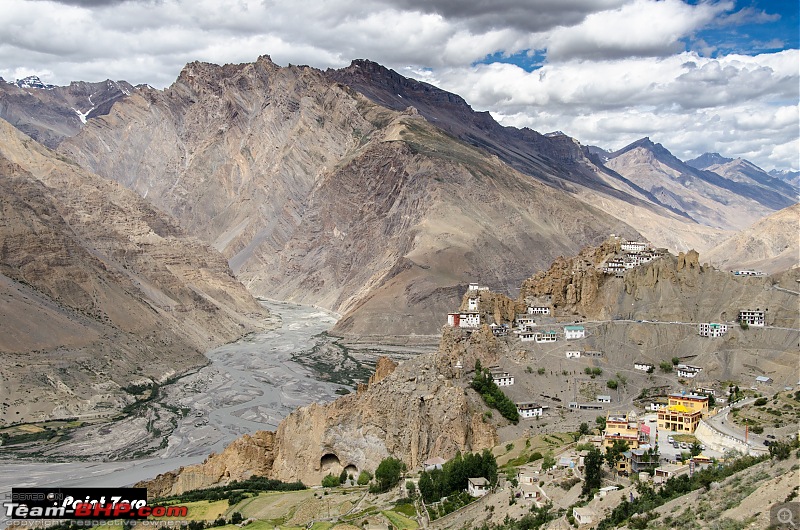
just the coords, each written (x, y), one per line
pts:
(771, 245)
(48, 115)
(555, 159)
(101, 290)
(317, 195)
(707, 197)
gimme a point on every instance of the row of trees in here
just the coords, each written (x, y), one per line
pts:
(452, 478)
(483, 384)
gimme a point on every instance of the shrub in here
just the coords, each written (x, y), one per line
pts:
(612, 384)
(760, 402)
(330, 481)
(364, 477)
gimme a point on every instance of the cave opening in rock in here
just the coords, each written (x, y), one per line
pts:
(329, 462)
(351, 469)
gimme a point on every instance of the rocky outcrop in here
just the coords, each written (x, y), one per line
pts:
(100, 289)
(244, 457)
(412, 411)
(571, 286)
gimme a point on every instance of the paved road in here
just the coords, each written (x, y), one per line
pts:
(721, 423)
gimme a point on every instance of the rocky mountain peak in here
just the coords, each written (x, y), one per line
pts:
(32, 81)
(707, 160)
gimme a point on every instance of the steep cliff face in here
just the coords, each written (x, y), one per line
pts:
(671, 288)
(316, 194)
(572, 286)
(413, 412)
(102, 289)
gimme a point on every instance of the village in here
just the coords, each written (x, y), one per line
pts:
(653, 437)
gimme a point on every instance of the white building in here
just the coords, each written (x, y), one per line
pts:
(529, 410)
(583, 515)
(527, 336)
(525, 321)
(472, 303)
(614, 266)
(655, 406)
(574, 332)
(476, 287)
(477, 487)
(644, 367)
(538, 310)
(573, 354)
(633, 246)
(712, 329)
(752, 317)
(465, 319)
(545, 336)
(748, 272)
(604, 399)
(688, 371)
(502, 378)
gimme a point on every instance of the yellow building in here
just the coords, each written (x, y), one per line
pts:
(683, 412)
(622, 427)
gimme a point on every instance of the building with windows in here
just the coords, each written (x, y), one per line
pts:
(472, 303)
(477, 487)
(752, 317)
(623, 427)
(538, 310)
(573, 354)
(502, 378)
(545, 336)
(465, 319)
(633, 246)
(683, 412)
(644, 367)
(529, 410)
(574, 332)
(688, 371)
(712, 329)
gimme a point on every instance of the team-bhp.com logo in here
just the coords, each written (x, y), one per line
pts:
(85, 503)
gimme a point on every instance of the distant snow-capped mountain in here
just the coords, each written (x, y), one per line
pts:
(32, 81)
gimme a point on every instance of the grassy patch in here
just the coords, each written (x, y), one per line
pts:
(399, 521)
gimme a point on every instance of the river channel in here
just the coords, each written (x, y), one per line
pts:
(249, 385)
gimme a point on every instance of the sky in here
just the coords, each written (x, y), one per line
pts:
(694, 75)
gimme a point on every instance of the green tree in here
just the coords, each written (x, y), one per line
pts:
(236, 518)
(675, 361)
(601, 422)
(695, 449)
(593, 471)
(611, 384)
(330, 481)
(412, 490)
(614, 452)
(387, 474)
(343, 477)
(583, 429)
(364, 477)
(548, 461)
(665, 366)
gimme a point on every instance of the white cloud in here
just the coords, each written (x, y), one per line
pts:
(614, 70)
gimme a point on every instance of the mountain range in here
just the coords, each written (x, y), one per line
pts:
(379, 196)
